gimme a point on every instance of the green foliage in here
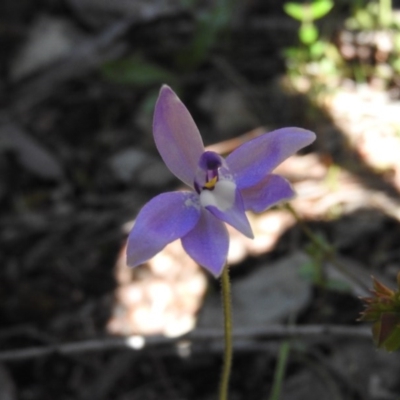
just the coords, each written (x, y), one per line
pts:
(313, 273)
(364, 18)
(396, 65)
(376, 14)
(383, 309)
(386, 331)
(375, 29)
(308, 12)
(314, 270)
(320, 8)
(280, 370)
(308, 33)
(210, 26)
(296, 11)
(136, 71)
(309, 59)
(317, 49)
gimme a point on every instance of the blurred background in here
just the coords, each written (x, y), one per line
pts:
(78, 84)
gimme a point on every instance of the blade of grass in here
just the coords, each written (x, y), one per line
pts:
(280, 371)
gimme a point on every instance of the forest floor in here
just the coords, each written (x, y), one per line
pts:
(78, 161)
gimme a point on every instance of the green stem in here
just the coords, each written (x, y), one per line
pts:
(280, 371)
(226, 302)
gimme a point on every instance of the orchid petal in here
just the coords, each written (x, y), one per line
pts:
(225, 202)
(253, 160)
(208, 243)
(162, 220)
(176, 136)
(266, 193)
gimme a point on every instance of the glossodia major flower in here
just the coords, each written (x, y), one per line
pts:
(222, 189)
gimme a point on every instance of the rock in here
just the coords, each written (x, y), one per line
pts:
(7, 387)
(156, 175)
(135, 165)
(374, 373)
(267, 295)
(229, 109)
(30, 153)
(126, 163)
(50, 39)
(305, 385)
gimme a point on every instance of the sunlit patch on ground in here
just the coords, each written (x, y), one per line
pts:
(371, 122)
(165, 295)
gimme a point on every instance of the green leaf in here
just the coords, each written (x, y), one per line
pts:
(392, 343)
(320, 8)
(148, 103)
(386, 331)
(136, 71)
(205, 37)
(308, 33)
(396, 65)
(208, 28)
(317, 49)
(396, 41)
(338, 285)
(296, 10)
(364, 19)
(308, 271)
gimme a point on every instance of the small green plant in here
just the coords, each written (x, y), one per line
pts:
(383, 309)
(136, 71)
(315, 271)
(374, 49)
(307, 13)
(376, 14)
(314, 59)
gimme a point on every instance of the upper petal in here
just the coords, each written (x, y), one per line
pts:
(176, 135)
(208, 243)
(266, 193)
(258, 157)
(162, 220)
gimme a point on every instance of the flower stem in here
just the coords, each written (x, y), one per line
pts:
(226, 302)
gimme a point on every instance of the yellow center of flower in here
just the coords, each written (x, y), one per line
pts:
(211, 183)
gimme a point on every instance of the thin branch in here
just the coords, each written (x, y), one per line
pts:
(329, 252)
(88, 56)
(273, 332)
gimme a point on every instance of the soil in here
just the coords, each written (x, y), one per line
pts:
(68, 190)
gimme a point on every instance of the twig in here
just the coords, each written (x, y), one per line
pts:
(328, 252)
(107, 45)
(205, 335)
(89, 55)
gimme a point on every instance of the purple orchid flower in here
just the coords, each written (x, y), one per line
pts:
(223, 188)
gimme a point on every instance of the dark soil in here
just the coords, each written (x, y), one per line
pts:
(62, 206)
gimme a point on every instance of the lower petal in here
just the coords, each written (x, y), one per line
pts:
(268, 192)
(233, 215)
(207, 243)
(162, 220)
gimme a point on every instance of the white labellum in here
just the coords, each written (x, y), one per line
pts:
(222, 197)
